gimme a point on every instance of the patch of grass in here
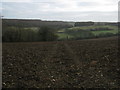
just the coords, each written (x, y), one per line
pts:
(33, 28)
(93, 27)
(64, 36)
(99, 32)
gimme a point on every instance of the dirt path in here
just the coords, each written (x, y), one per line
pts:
(73, 55)
(62, 67)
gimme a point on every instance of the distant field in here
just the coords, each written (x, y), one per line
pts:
(91, 29)
(99, 32)
(33, 28)
(64, 35)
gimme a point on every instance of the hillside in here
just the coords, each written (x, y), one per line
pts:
(27, 29)
(82, 32)
(59, 24)
(35, 23)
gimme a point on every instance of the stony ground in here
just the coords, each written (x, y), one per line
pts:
(64, 64)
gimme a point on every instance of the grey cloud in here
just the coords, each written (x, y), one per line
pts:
(34, 10)
(87, 4)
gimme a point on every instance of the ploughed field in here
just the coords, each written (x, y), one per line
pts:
(64, 64)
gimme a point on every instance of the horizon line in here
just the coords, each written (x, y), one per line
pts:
(55, 20)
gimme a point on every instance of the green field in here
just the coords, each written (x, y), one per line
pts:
(92, 27)
(64, 36)
(76, 31)
(99, 32)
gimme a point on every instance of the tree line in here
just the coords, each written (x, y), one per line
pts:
(17, 34)
(35, 23)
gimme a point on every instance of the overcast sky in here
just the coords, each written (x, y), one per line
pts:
(61, 10)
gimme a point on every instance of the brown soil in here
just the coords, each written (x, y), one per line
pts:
(64, 64)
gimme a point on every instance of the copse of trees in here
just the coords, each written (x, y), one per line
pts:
(83, 24)
(15, 34)
(47, 34)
